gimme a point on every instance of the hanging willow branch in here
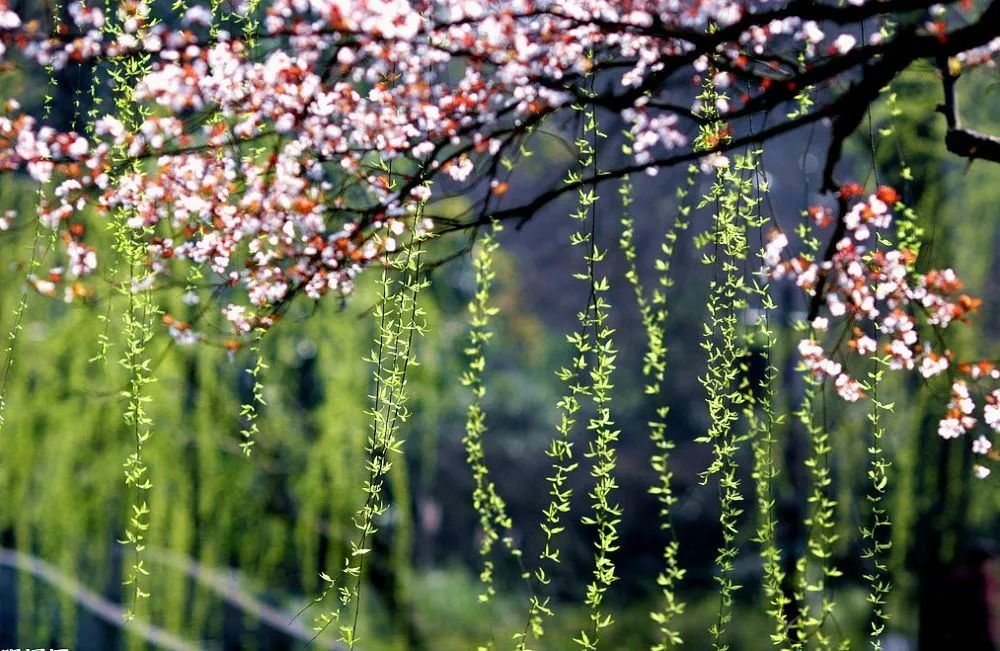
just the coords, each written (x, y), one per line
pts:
(653, 312)
(250, 410)
(601, 449)
(589, 375)
(489, 505)
(815, 567)
(875, 533)
(138, 322)
(731, 197)
(398, 319)
(762, 420)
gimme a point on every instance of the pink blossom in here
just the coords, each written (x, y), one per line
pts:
(848, 389)
(933, 364)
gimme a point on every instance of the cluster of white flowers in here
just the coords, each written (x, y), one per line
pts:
(959, 419)
(879, 290)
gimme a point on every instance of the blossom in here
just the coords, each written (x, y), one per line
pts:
(844, 43)
(461, 169)
(958, 420)
(864, 344)
(82, 259)
(961, 399)
(991, 410)
(811, 32)
(932, 364)
(810, 349)
(386, 97)
(776, 243)
(714, 160)
(950, 428)
(8, 19)
(421, 192)
(981, 445)
(237, 316)
(878, 289)
(198, 15)
(820, 215)
(848, 389)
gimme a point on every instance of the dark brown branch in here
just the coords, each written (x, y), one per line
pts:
(972, 144)
(907, 48)
(963, 142)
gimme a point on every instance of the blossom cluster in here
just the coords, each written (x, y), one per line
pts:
(876, 290)
(328, 124)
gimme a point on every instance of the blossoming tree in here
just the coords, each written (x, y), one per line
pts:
(250, 155)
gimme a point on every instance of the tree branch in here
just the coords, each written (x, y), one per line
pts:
(963, 142)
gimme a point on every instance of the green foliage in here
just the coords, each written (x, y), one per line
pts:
(399, 318)
(138, 318)
(734, 209)
(250, 410)
(653, 313)
(605, 515)
(814, 569)
(489, 505)
(875, 532)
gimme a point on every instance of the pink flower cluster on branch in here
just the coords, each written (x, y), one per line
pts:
(323, 141)
(887, 306)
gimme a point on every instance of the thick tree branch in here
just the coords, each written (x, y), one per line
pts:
(972, 144)
(963, 142)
